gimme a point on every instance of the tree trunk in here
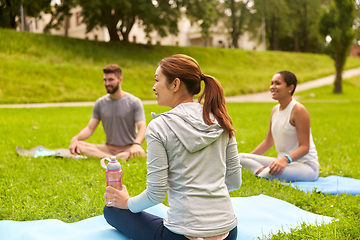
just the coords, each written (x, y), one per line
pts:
(12, 15)
(114, 36)
(305, 30)
(317, 49)
(339, 65)
(129, 24)
(125, 28)
(271, 34)
(306, 44)
(296, 41)
(67, 25)
(234, 41)
(12, 20)
(233, 25)
(276, 39)
(125, 36)
(275, 33)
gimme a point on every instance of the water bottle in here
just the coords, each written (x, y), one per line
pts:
(113, 172)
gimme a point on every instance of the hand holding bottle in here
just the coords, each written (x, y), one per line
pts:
(117, 198)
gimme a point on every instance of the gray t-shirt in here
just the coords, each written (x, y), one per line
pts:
(118, 117)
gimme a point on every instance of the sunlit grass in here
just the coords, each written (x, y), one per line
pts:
(72, 190)
(44, 68)
(37, 68)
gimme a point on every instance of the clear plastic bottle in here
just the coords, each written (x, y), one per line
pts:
(113, 172)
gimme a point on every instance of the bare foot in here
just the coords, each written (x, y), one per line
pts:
(260, 170)
(123, 155)
(264, 172)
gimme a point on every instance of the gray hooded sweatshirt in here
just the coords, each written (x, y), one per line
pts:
(198, 164)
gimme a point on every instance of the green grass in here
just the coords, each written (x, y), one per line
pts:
(45, 68)
(72, 190)
(351, 92)
(40, 68)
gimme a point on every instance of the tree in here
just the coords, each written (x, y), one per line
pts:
(236, 16)
(60, 15)
(357, 18)
(303, 17)
(275, 14)
(119, 16)
(289, 25)
(162, 19)
(337, 22)
(204, 12)
(10, 10)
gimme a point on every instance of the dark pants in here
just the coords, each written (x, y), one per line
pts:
(144, 226)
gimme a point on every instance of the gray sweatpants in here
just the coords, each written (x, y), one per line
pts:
(295, 171)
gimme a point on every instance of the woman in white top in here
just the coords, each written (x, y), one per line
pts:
(290, 131)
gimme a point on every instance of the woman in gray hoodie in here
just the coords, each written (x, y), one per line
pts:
(192, 154)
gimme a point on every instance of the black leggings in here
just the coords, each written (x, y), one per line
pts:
(144, 226)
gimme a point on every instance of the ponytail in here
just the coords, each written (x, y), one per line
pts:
(188, 71)
(214, 101)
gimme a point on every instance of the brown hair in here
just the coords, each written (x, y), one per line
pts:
(188, 71)
(113, 68)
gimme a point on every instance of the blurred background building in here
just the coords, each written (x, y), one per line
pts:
(189, 33)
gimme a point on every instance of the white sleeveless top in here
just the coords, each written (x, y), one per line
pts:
(285, 135)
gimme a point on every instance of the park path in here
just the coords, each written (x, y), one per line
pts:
(255, 97)
(266, 96)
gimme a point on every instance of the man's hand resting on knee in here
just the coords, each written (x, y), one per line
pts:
(74, 146)
(136, 151)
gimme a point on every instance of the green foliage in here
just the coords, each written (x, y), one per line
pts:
(108, 13)
(160, 15)
(290, 25)
(42, 68)
(72, 190)
(203, 12)
(163, 18)
(274, 13)
(10, 10)
(337, 22)
(239, 20)
(303, 18)
(59, 15)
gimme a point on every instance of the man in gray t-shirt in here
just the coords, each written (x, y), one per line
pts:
(121, 113)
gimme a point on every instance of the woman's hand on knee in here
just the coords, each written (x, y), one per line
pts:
(277, 166)
(117, 198)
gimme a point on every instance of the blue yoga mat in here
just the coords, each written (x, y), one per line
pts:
(257, 216)
(331, 184)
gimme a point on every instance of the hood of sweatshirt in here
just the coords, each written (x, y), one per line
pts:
(186, 122)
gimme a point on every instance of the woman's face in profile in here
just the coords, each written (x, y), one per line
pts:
(163, 94)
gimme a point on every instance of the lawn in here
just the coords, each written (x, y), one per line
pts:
(44, 68)
(72, 190)
(41, 68)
